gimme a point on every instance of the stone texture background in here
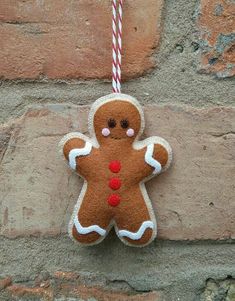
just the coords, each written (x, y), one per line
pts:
(179, 61)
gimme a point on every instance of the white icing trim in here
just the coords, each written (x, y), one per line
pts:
(85, 230)
(151, 161)
(137, 235)
(76, 152)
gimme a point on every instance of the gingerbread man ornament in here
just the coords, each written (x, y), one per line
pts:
(115, 165)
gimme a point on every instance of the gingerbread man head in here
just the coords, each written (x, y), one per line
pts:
(116, 120)
(115, 165)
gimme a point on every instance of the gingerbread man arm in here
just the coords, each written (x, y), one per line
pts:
(75, 147)
(157, 153)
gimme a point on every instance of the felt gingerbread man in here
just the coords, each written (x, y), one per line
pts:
(115, 166)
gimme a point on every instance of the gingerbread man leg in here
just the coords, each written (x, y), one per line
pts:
(90, 221)
(135, 222)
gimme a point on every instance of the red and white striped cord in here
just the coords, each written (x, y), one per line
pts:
(116, 44)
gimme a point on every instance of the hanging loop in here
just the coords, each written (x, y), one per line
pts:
(117, 9)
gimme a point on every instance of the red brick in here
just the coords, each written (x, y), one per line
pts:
(80, 291)
(217, 24)
(72, 39)
(23, 291)
(68, 289)
(5, 282)
(103, 295)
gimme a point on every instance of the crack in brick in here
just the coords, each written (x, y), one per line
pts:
(218, 135)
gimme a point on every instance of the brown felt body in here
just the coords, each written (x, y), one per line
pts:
(133, 209)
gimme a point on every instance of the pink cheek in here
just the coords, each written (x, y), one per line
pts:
(130, 132)
(105, 132)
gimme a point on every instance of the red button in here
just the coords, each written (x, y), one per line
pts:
(114, 200)
(115, 166)
(114, 183)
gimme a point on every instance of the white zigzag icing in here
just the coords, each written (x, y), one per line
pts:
(76, 152)
(139, 233)
(151, 161)
(85, 230)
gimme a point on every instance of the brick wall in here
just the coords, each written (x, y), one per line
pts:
(72, 39)
(179, 61)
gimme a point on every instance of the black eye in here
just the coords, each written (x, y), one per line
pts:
(111, 123)
(124, 123)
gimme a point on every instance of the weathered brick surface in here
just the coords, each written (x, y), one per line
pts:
(194, 200)
(72, 39)
(5, 282)
(219, 290)
(67, 289)
(217, 23)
